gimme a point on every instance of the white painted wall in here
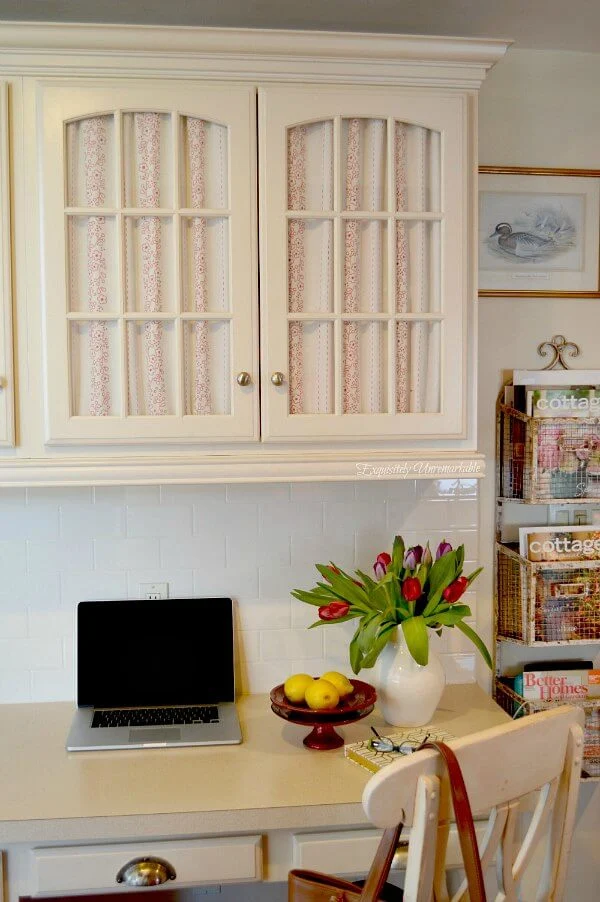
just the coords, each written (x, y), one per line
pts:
(538, 109)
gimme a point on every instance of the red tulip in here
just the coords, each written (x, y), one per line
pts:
(456, 589)
(334, 569)
(334, 610)
(411, 588)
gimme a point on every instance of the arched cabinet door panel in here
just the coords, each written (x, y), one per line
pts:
(364, 270)
(149, 261)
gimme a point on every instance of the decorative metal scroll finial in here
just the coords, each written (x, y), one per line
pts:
(558, 346)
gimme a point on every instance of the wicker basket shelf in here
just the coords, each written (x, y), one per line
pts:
(548, 460)
(516, 706)
(547, 603)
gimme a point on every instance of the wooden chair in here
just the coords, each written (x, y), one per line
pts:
(530, 765)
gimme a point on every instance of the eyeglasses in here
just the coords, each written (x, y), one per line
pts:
(384, 744)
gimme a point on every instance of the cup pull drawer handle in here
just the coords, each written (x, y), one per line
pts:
(146, 872)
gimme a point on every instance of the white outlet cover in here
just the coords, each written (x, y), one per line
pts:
(154, 590)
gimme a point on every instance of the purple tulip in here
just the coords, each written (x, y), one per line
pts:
(442, 549)
(381, 564)
(413, 557)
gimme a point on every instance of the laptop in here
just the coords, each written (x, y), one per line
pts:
(154, 674)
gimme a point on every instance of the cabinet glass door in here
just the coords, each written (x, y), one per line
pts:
(149, 274)
(363, 283)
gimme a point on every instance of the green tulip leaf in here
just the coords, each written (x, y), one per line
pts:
(477, 642)
(397, 555)
(417, 640)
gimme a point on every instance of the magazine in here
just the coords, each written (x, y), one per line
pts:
(559, 543)
(555, 378)
(563, 402)
(558, 685)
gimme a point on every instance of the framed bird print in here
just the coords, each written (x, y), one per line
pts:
(539, 232)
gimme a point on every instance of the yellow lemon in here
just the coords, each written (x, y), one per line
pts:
(341, 682)
(295, 687)
(321, 695)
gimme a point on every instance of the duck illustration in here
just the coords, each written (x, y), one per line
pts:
(521, 244)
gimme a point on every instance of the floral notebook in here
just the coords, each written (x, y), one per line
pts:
(361, 752)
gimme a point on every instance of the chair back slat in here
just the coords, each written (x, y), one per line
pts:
(528, 769)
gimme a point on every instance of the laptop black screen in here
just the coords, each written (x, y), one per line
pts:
(174, 651)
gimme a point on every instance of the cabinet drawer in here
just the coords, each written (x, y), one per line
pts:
(352, 851)
(195, 861)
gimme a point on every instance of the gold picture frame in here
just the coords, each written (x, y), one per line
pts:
(539, 226)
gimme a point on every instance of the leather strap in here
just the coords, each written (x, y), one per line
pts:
(381, 864)
(464, 822)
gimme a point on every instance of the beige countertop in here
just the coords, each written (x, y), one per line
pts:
(270, 781)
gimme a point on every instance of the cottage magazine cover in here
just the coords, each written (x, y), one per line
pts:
(553, 543)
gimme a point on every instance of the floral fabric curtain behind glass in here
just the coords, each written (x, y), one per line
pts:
(364, 248)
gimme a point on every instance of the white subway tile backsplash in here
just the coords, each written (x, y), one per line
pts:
(92, 585)
(53, 624)
(13, 558)
(235, 582)
(393, 490)
(78, 521)
(62, 555)
(291, 518)
(52, 685)
(15, 686)
(322, 491)
(53, 495)
(343, 518)
(310, 550)
(259, 493)
(13, 624)
(236, 520)
(162, 520)
(459, 668)
(183, 552)
(191, 494)
(258, 614)
(22, 521)
(126, 554)
(254, 543)
(276, 645)
(27, 654)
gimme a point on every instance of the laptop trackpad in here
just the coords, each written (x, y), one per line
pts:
(157, 735)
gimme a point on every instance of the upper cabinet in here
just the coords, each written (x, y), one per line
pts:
(364, 214)
(149, 272)
(247, 254)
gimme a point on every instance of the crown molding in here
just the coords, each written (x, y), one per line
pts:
(367, 466)
(35, 47)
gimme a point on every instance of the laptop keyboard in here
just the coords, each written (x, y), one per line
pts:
(143, 717)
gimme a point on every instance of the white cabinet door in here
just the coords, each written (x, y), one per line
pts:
(364, 199)
(149, 261)
(7, 430)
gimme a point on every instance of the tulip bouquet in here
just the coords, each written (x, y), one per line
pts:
(410, 590)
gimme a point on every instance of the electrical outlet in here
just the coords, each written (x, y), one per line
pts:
(153, 591)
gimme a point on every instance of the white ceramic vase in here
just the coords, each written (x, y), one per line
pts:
(407, 693)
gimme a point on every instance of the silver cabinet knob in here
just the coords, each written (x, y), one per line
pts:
(277, 378)
(243, 378)
(146, 872)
